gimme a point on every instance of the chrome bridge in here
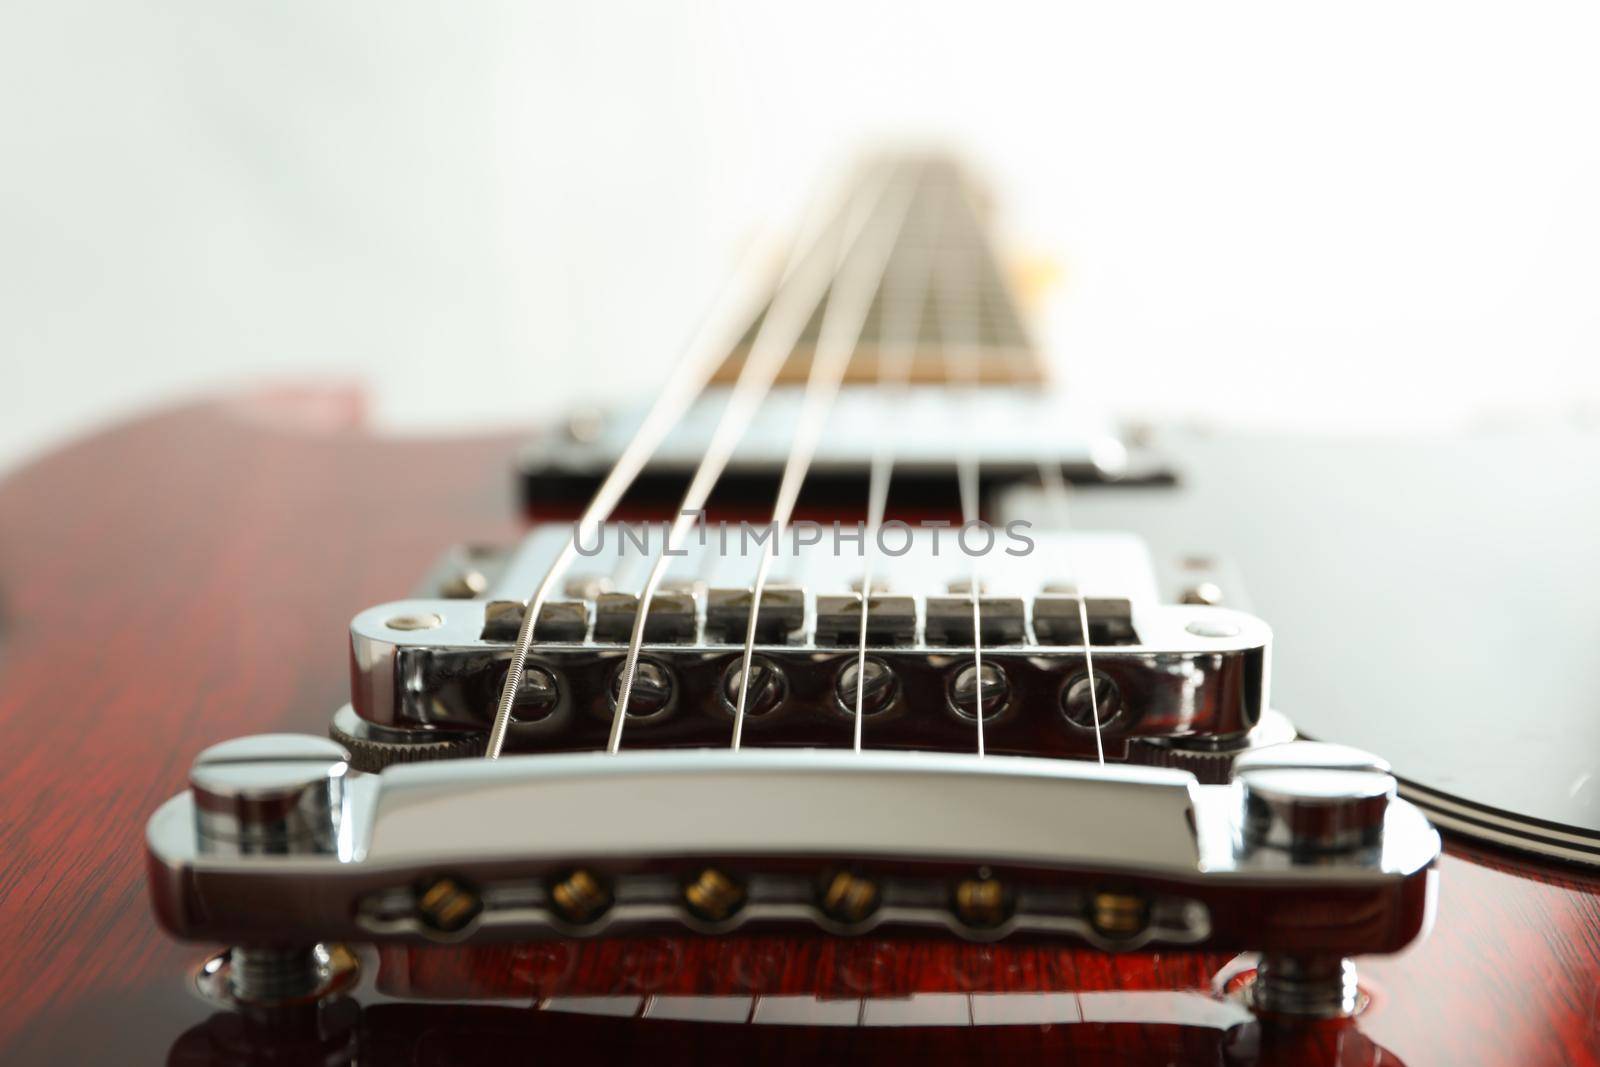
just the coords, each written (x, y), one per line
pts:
(1306, 856)
(1177, 684)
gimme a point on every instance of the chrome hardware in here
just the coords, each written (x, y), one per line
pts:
(1178, 680)
(766, 690)
(1311, 802)
(713, 895)
(1056, 620)
(1120, 914)
(966, 690)
(891, 620)
(261, 980)
(465, 584)
(1051, 833)
(783, 611)
(1321, 987)
(878, 691)
(1173, 684)
(982, 902)
(271, 795)
(1311, 797)
(1202, 593)
(464, 572)
(949, 620)
(652, 689)
(1210, 759)
(673, 616)
(585, 425)
(579, 896)
(279, 793)
(559, 620)
(586, 586)
(848, 897)
(1089, 449)
(1078, 700)
(422, 620)
(537, 695)
(445, 905)
(373, 747)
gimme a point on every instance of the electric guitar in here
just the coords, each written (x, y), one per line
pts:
(858, 697)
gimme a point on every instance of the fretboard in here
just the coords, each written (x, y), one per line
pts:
(943, 228)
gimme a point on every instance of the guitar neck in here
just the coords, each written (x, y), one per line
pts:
(946, 241)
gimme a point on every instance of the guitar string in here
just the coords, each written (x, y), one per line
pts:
(898, 338)
(785, 320)
(730, 316)
(1055, 491)
(960, 350)
(848, 304)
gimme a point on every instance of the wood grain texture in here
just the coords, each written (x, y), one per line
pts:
(190, 577)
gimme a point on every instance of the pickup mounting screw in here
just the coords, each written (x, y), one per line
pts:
(446, 906)
(982, 901)
(848, 897)
(713, 895)
(580, 896)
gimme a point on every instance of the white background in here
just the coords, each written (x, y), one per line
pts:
(1357, 215)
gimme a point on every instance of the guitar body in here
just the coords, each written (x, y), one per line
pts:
(190, 577)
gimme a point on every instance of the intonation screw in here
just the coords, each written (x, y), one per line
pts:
(964, 690)
(1119, 914)
(1081, 704)
(580, 896)
(877, 692)
(849, 898)
(713, 896)
(536, 695)
(982, 901)
(766, 689)
(446, 905)
(652, 688)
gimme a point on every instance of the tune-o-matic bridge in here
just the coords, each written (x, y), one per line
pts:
(277, 841)
(1170, 678)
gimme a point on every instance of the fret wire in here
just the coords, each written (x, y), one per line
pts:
(849, 302)
(735, 308)
(786, 317)
(1055, 488)
(899, 336)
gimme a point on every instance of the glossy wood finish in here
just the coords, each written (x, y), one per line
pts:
(190, 577)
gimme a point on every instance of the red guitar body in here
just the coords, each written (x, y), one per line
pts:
(190, 577)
